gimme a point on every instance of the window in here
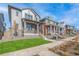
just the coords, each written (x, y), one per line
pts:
(17, 13)
(66, 26)
(60, 29)
(37, 18)
(29, 27)
(48, 29)
(31, 17)
(28, 16)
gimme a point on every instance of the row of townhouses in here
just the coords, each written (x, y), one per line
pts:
(24, 21)
(27, 21)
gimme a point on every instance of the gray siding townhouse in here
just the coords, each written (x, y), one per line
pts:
(2, 28)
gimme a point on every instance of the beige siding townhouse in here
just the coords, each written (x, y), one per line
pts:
(15, 16)
(48, 26)
(23, 21)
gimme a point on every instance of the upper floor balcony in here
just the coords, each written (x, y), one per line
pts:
(30, 14)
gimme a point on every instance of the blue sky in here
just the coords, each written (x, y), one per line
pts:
(69, 13)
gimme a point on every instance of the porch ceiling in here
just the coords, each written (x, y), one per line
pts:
(30, 21)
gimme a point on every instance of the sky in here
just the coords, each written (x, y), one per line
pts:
(67, 12)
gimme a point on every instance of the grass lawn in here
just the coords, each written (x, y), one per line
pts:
(10, 46)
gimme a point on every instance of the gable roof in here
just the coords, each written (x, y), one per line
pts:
(31, 10)
(9, 6)
(9, 11)
(47, 18)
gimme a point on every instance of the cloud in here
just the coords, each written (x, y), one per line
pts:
(3, 9)
(41, 9)
(71, 17)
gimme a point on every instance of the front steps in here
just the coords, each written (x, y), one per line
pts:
(55, 36)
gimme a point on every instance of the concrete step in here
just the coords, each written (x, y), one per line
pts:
(55, 36)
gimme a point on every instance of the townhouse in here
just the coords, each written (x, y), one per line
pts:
(27, 21)
(61, 26)
(23, 21)
(49, 26)
(2, 28)
(30, 21)
(69, 30)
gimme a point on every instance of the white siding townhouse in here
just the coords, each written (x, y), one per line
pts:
(23, 21)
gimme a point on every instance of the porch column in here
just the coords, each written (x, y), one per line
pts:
(59, 30)
(24, 26)
(38, 28)
(43, 29)
(63, 31)
(51, 29)
(54, 29)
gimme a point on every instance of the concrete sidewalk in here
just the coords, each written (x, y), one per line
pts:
(41, 50)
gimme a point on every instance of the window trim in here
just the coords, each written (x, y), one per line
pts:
(17, 13)
(27, 16)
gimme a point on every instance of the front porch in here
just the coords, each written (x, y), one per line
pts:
(48, 29)
(30, 26)
(51, 31)
(69, 32)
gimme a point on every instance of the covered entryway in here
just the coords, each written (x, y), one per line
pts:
(30, 26)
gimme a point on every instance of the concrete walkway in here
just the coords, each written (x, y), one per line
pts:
(41, 50)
